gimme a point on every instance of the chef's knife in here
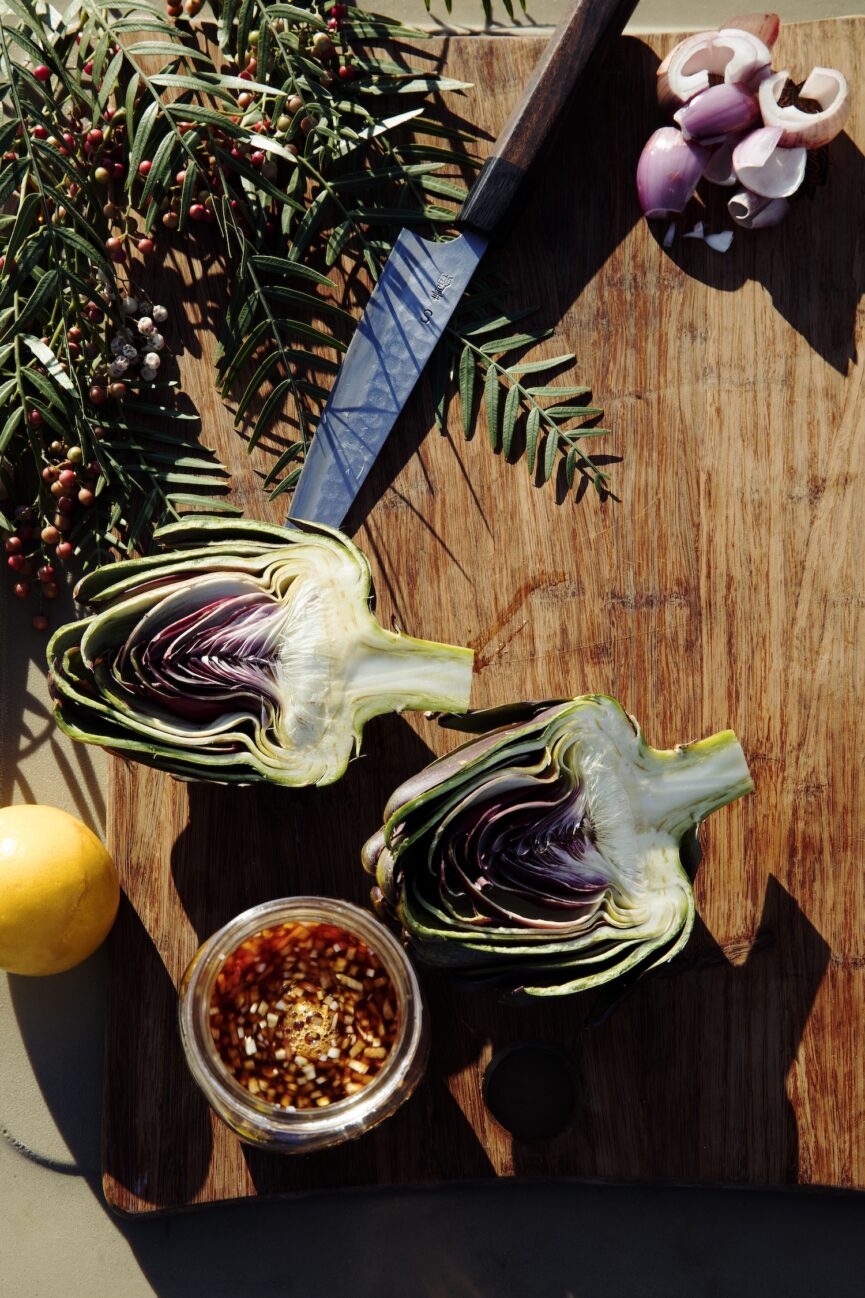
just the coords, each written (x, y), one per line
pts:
(422, 282)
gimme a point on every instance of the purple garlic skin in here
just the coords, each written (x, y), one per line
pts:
(764, 26)
(668, 171)
(718, 111)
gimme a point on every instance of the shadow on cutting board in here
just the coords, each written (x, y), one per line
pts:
(643, 1088)
(687, 1078)
(36, 760)
(573, 217)
(810, 265)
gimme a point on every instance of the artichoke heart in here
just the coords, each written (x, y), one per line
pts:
(545, 855)
(244, 652)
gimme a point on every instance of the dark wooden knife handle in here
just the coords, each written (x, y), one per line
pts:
(585, 29)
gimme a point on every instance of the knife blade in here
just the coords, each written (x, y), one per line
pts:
(422, 281)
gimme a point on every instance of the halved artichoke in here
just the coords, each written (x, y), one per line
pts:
(246, 652)
(545, 855)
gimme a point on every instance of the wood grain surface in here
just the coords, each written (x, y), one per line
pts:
(579, 43)
(722, 587)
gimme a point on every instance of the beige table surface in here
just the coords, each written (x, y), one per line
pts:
(57, 1238)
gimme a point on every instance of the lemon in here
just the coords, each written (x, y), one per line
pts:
(59, 890)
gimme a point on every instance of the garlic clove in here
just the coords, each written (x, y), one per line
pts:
(828, 88)
(738, 56)
(764, 26)
(754, 212)
(765, 167)
(719, 242)
(717, 111)
(719, 169)
(666, 98)
(668, 171)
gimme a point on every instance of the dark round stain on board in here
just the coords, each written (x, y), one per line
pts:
(529, 1089)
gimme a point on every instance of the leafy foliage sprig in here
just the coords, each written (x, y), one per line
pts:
(299, 146)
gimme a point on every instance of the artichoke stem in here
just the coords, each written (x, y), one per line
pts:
(390, 672)
(684, 785)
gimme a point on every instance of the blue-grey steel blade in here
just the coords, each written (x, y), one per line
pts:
(406, 315)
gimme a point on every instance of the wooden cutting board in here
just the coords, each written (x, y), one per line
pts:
(725, 585)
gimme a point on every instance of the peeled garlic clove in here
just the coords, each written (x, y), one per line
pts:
(717, 111)
(764, 26)
(765, 167)
(828, 88)
(719, 169)
(668, 171)
(738, 56)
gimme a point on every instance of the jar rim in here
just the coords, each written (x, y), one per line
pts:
(203, 1058)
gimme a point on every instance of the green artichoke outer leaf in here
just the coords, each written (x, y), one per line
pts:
(244, 652)
(545, 854)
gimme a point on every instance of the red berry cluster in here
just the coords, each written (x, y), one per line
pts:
(34, 552)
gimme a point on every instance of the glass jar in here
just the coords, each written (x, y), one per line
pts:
(262, 1123)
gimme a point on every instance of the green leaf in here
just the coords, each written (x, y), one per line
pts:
(245, 19)
(25, 221)
(572, 412)
(551, 390)
(143, 132)
(513, 341)
(533, 424)
(109, 81)
(297, 329)
(305, 230)
(571, 466)
(467, 374)
(537, 367)
(255, 384)
(282, 266)
(208, 116)
(268, 410)
(47, 288)
(287, 483)
(492, 391)
(317, 305)
(161, 172)
(288, 455)
(170, 49)
(446, 187)
(337, 241)
(131, 92)
(10, 427)
(509, 421)
(410, 85)
(230, 368)
(211, 504)
(50, 361)
(551, 450)
(88, 251)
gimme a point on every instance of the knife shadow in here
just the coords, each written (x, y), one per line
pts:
(577, 237)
